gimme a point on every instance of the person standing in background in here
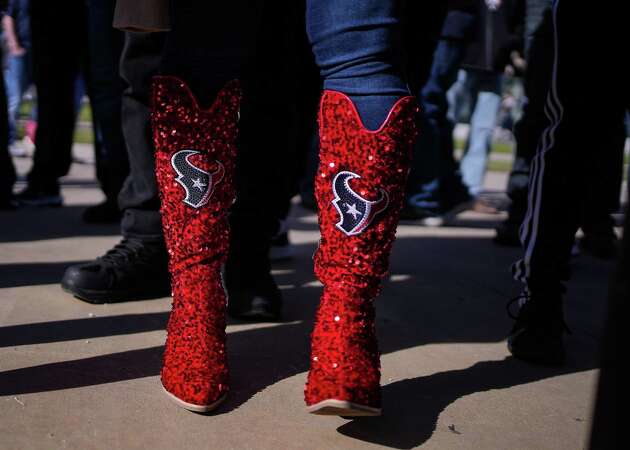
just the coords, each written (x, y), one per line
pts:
(59, 43)
(436, 192)
(498, 35)
(18, 74)
(7, 171)
(106, 89)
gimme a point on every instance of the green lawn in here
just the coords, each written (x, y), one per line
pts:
(84, 134)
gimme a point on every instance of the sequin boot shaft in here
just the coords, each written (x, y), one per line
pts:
(359, 189)
(195, 163)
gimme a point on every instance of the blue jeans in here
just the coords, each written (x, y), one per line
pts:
(355, 47)
(484, 89)
(18, 76)
(435, 181)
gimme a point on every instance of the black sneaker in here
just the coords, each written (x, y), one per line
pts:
(36, 196)
(252, 292)
(537, 334)
(106, 212)
(132, 270)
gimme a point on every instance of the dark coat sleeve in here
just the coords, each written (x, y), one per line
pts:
(142, 15)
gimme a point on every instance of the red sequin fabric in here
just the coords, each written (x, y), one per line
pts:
(195, 162)
(359, 189)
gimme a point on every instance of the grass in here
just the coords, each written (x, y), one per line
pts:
(84, 134)
(497, 146)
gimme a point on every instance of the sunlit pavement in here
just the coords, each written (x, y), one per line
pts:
(74, 375)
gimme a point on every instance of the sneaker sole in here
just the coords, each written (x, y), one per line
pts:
(332, 407)
(100, 298)
(191, 406)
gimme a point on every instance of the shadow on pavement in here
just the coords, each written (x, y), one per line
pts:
(34, 224)
(32, 274)
(69, 330)
(412, 406)
(443, 289)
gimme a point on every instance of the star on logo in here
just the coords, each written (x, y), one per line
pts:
(352, 209)
(197, 183)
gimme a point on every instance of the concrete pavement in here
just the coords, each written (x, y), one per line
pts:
(79, 376)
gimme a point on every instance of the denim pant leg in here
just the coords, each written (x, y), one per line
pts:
(7, 170)
(356, 47)
(15, 79)
(482, 123)
(433, 164)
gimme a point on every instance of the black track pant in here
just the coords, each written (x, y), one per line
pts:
(586, 103)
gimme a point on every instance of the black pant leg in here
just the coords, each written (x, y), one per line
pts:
(59, 36)
(587, 100)
(530, 127)
(141, 58)
(106, 89)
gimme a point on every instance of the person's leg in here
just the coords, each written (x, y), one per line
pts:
(357, 48)
(57, 35)
(106, 88)
(13, 75)
(562, 172)
(359, 190)
(435, 188)
(441, 186)
(7, 170)
(529, 128)
(138, 198)
(602, 198)
(136, 268)
(264, 166)
(482, 123)
(196, 102)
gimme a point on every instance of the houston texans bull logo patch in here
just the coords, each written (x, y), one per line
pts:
(197, 183)
(355, 212)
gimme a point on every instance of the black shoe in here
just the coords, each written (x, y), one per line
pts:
(507, 233)
(252, 292)
(106, 212)
(132, 270)
(537, 334)
(37, 196)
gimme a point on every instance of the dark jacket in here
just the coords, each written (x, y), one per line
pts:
(142, 15)
(499, 32)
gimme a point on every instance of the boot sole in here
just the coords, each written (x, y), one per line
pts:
(332, 407)
(191, 406)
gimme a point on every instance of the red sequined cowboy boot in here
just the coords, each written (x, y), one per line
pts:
(195, 163)
(359, 189)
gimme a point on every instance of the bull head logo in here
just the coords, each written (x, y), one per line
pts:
(197, 183)
(355, 212)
